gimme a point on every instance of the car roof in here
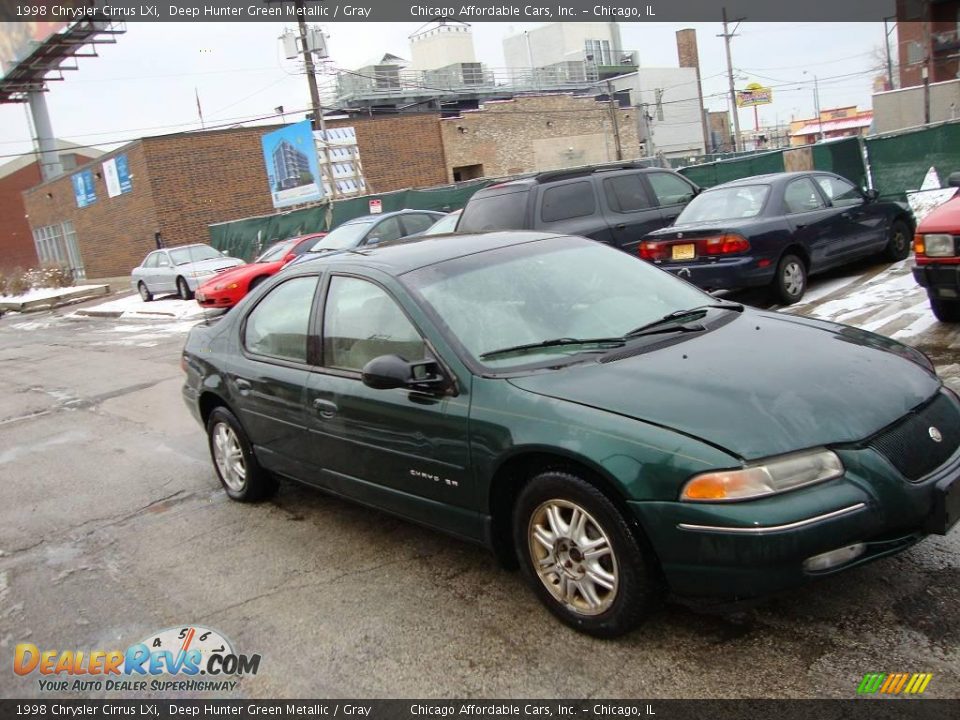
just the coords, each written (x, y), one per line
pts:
(381, 216)
(400, 258)
(768, 178)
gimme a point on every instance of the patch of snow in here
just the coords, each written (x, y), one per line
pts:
(45, 293)
(132, 307)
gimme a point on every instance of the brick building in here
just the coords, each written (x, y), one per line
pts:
(928, 36)
(17, 249)
(530, 133)
(181, 183)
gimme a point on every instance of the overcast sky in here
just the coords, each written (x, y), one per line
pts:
(145, 84)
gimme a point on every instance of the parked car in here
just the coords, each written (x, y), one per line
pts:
(616, 204)
(612, 429)
(445, 225)
(937, 251)
(369, 230)
(227, 288)
(178, 270)
(776, 230)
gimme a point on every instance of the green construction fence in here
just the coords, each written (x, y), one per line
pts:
(899, 161)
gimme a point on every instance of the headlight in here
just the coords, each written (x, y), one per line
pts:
(937, 245)
(769, 477)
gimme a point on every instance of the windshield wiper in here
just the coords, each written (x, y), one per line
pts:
(678, 314)
(556, 342)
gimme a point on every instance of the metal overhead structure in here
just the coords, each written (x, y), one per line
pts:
(35, 55)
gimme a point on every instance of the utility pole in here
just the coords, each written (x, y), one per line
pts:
(315, 95)
(613, 120)
(727, 36)
(886, 45)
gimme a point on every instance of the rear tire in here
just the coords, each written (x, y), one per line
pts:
(580, 557)
(790, 282)
(233, 460)
(145, 294)
(183, 289)
(945, 310)
(898, 246)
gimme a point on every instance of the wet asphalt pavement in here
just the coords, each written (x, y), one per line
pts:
(113, 526)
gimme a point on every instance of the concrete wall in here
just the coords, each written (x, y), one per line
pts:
(543, 132)
(899, 109)
(441, 46)
(680, 133)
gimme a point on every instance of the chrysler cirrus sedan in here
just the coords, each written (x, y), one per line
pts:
(611, 429)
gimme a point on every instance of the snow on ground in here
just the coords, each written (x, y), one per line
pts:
(132, 307)
(46, 293)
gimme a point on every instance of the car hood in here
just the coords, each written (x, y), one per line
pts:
(211, 265)
(241, 272)
(945, 219)
(762, 384)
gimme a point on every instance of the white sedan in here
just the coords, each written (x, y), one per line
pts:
(178, 270)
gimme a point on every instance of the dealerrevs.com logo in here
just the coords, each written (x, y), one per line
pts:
(180, 659)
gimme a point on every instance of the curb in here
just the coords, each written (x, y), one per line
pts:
(48, 303)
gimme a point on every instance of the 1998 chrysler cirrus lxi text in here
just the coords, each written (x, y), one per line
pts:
(613, 429)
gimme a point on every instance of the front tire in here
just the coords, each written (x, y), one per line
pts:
(183, 289)
(145, 294)
(945, 310)
(790, 283)
(237, 468)
(898, 246)
(581, 558)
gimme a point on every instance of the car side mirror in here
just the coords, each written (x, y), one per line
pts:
(871, 194)
(392, 371)
(954, 179)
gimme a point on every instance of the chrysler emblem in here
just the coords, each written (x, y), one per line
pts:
(934, 434)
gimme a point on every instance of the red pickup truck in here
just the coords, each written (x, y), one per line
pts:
(937, 249)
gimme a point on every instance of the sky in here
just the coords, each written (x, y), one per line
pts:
(149, 81)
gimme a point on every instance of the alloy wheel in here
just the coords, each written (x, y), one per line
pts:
(229, 457)
(793, 278)
(573, 557)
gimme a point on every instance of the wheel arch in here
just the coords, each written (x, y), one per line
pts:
(795, 248)
(514, 471)
(209, 401)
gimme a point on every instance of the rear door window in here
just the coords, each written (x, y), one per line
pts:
(417, 223)
(626, 193)
(571, 200)
(500, 211)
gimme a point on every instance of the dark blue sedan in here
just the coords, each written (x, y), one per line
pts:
(776, 230)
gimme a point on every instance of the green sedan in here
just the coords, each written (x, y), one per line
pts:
(611, 429)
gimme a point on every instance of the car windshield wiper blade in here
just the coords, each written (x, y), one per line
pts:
(556, 342)
(679, 314)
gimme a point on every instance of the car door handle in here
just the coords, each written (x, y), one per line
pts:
(621, 226)
(243, 386)
(800, 226)
(326, 408)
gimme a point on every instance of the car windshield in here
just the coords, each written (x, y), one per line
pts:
(742, 201)
(275, 252)
(446, 224)
(193, 253)
(566, 288)
(343, 237)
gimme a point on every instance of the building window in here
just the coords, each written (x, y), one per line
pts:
(57, 245)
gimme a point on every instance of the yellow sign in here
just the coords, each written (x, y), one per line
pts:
(755, 94)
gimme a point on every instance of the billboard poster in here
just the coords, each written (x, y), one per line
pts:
(755, 94)
(19, 39)
(83, 188)
(293, 172)
(116, 174)
(338, 150)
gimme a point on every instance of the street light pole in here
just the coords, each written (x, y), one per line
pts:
(816, 103)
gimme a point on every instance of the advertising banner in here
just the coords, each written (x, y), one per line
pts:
(754, 95)
(116, 174)
(19, 39)
(84, 190)
(290, 156)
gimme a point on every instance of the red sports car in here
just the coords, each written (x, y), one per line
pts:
(228, 288)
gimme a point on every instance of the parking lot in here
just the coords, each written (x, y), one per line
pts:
(112, 526)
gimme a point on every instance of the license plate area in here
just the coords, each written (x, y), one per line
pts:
(685, 251)
(946, 506)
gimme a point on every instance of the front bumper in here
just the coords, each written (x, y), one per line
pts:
(754, 548)
(940, 280)
(723, 273)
